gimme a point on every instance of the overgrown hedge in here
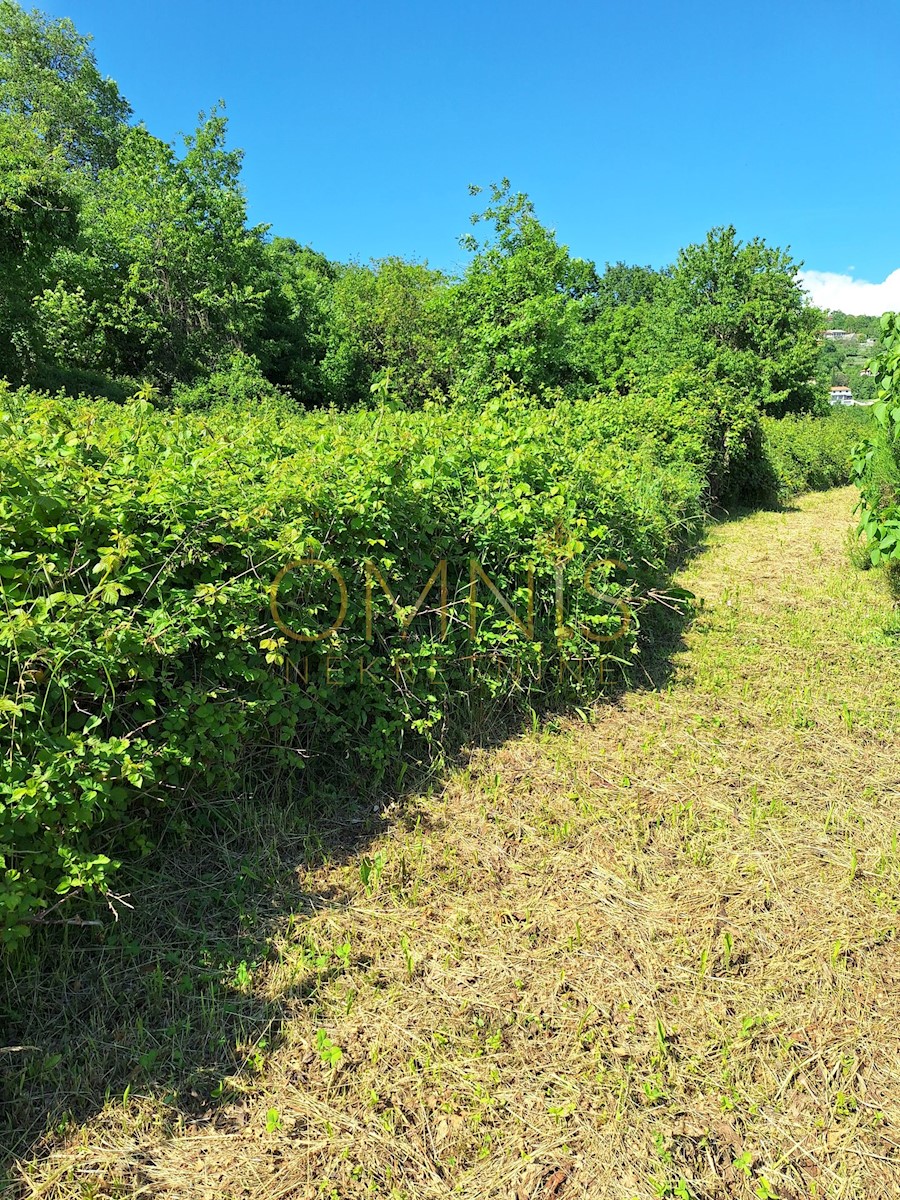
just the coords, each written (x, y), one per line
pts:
(877, 461)
(138, 549)
(807, 453)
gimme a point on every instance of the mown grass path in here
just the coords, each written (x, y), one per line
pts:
(650, 955)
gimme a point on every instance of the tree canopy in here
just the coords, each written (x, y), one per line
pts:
(49, 78)
(124, 259)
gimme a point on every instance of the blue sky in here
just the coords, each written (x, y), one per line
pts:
(634, 127)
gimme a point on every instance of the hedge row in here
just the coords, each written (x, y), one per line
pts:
(806, 453)
(877, 461)
(139, 548)
(137, 553)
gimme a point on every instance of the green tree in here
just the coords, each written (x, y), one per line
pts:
(520, 309)
(296, 323)
(164, 282)
(60, 124)
(829, 361)
(863, 327)
(739, 314)
(387, 323)
(49, 78)
(621, 284)
(38, 213)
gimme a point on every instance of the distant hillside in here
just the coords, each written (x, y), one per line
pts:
(849, 345)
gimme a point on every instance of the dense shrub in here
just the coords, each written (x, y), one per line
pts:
(75, 381)
(810, 453)
(877, 460)
(240, 381)
(137, 548)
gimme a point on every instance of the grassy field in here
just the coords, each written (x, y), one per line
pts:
(647, 951)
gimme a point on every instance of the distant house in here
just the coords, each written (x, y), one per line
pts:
(841, 395)
(839, 335)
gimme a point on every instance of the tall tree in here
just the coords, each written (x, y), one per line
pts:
(164, 284)
(296, 322)
(49, 77)
(519, 310)
(739, 313)
(621, 284)
(38, 213)
(387, 322)
(61, 123)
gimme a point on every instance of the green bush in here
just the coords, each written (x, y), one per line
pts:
(810, 453)
(79, 381)
(877, 461)
(137, 550)
(701, 424)
(239, 381)
(147, 665)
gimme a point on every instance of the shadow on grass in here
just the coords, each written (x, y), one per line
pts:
(153, 992)
(156, 999)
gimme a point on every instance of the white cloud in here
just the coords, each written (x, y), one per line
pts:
(855, 296)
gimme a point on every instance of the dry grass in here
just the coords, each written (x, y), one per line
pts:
(650, 955)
